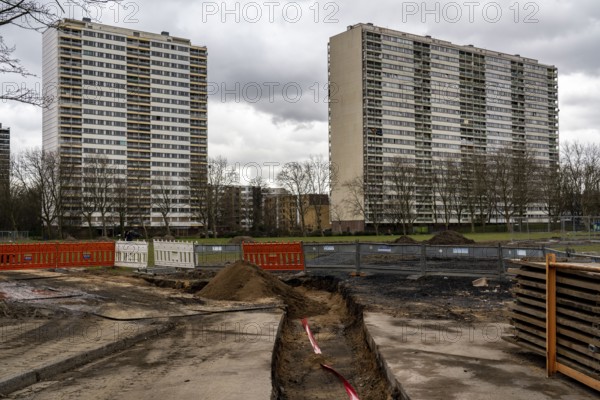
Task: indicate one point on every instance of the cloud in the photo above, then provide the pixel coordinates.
(279, 51)
(579, 104)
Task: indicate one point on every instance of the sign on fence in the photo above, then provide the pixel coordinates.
(131, 254)
(56, 255)
(275, 256)
(174, 254)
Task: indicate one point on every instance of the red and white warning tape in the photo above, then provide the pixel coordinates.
(313, 342)
(349, 389)
(347, 386)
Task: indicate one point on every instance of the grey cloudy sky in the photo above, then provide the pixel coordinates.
(267, 64)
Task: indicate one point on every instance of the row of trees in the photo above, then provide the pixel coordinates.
(211, 201)
(480, 188)
(45, 192)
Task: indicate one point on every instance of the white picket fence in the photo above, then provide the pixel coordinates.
(174, 254)
(131, 254)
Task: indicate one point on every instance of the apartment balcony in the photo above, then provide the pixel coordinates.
(139, 118)
(138, 99)
(67, 62)
(70, 72)
(137, 53)
(132, 43)
(138, 62)
(66, 43)
(138, 146)
(70, 112)
(71, 132)
(139, 139)
(138, 109)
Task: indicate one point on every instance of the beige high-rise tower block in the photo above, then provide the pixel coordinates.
(137, 99)
(403, 99)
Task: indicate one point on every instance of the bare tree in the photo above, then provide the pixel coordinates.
(580, 164)
(121, 200)
(456, 171)
(294, 177)
(197, 186)
(502, 184)
(402, 177)
(525, 186)
(20, 204)
(467, 187)
(320, 173)
(163, 199)
(365, 201)
(139, 205)
(207, 188)
(38, 171)
(444, 184)
(550, 189)
(512, 183)
(252, 205)
(32, 15)
(98, 177)
(88, 199)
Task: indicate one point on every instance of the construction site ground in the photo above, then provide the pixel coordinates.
(112, 333)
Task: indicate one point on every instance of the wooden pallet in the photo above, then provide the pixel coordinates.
(577, 315)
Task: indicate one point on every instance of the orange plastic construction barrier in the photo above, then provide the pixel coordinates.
(275, 256)
(56, 255)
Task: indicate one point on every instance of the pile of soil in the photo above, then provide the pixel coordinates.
(449, 237)
(240, 239)
(405, 240)
(243, 281)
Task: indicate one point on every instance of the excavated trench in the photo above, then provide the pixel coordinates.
(336, 320)
(340, 333)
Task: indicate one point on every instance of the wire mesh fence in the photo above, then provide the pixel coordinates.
(417, 258)
(13, 236)
(216, 255)
(384, 257)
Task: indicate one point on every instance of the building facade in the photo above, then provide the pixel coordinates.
(4, 156)
(138, 101)
(398, 96)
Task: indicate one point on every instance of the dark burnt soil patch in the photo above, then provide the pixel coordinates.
(190, 281)
(433, 297)
(449, 238)
(405, 240)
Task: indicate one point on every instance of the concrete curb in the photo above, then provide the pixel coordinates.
(391, 378)
(352, 303)
(25, 379)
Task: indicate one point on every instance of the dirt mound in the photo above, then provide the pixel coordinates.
(240, 239)
(449, 237)
(243, 281)
(405, 240)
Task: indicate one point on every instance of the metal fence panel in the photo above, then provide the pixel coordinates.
(513, 253)
(385, 257)
(13, 236)
(330, 256)
(217, 255)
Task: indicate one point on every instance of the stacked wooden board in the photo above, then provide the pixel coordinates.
(577, 314)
